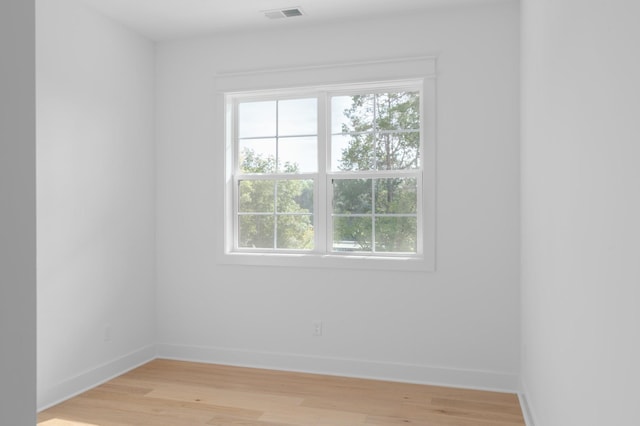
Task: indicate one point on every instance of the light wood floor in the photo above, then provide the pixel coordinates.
(173, 393)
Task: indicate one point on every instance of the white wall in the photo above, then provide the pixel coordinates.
(96, 198)
(581, 204)
(459, 325)
(17, 213)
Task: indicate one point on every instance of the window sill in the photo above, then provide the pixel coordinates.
(314, 260)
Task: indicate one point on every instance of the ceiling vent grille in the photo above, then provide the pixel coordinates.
(289, 12)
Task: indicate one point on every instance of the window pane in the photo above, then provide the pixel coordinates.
(298, 117)
(352, 234)
(352, 196)
(352, 152)
(257, 119)
(257, 155)
(340, 106)
(255, 231)
(295, 232)
(396, 234)
(339, 145)
(298, 155)
(398, 111)
(351, 113)
(396, 196)
(398, 151)
(256, 196)
(295, 196)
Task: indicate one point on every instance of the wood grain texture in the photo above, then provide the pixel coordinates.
(176, 393)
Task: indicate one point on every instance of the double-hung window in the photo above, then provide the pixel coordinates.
(329, 172)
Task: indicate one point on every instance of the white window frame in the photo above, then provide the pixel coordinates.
(325, 81)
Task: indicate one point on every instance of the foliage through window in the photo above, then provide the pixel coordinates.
(330, 172)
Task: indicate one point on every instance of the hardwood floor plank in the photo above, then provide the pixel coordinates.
(228, 398)
(312, 416)
(175, 393)
(236, 421)
(168, 407)
(459, 415)
(448, 403)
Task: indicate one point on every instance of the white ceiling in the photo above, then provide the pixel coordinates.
(171, 19)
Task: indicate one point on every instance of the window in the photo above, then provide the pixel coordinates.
(277, 164)
(375, 172)
(333, 174)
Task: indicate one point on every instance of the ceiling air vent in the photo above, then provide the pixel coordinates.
(289, 12)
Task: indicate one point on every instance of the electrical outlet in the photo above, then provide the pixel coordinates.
(317, 328)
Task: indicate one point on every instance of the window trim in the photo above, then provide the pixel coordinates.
(335, 78)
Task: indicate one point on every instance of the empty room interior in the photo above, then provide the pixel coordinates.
(354, 195)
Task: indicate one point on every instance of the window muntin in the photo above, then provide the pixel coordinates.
(298, 158)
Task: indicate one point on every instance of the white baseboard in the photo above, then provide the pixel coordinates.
(94, 377)
(398, 372)
(409, 373)
(527, 413)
